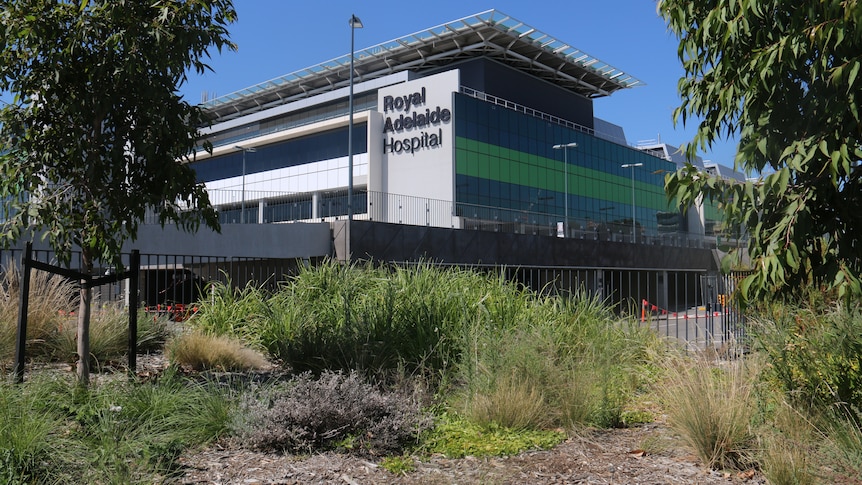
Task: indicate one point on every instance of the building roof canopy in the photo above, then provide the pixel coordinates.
(491, 34)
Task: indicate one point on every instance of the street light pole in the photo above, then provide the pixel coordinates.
(634, 226)
(355, 23)
(242, 206)
(565, 149)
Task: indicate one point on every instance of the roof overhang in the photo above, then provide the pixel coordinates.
(491, 34)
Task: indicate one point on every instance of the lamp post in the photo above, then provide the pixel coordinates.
(634, 226)
(242, 206)
(565, 149)
(355, 23)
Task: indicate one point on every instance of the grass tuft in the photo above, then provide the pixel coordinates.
(207, 352)
(712, 408)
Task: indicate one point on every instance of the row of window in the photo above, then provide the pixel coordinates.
(292, 120)
(298, 151)
(525, 200)
(328, 205)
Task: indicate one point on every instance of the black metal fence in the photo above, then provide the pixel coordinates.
(694, 307)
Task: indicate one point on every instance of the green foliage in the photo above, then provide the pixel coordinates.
(96, 132)
(229, 311)
(399, 465)
(362, 317)
(567, 362)
(525, 361)
(456, 437)
(815, 356)
(28, 439)
(784, 77)
(54, 431)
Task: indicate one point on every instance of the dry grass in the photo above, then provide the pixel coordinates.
(51, 298)
(205, 352)
(109, 336)
(514, 403)
(787, 454)
(711, 405)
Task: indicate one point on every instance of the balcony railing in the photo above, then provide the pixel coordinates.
(284, 207)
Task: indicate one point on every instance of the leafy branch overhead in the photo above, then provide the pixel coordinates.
(784, 77)
(96, 132)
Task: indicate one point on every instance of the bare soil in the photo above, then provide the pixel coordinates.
(649, 454)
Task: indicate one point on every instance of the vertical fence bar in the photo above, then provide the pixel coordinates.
(23, 308)
(134, 272)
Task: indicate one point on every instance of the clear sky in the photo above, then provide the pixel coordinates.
(277, 37)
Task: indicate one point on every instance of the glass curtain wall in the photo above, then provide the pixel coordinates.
(508, 170)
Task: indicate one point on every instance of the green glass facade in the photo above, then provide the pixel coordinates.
(505, 163)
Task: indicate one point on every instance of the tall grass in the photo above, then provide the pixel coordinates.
(227, 311)
(29, 440)
(363, 317)
(713, 409)
(788, 447)
(566, 359)
(563, 361)
(51, 297)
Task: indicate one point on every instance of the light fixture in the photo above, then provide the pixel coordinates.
(355, 23)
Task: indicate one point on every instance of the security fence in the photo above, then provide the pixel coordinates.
(693, 307)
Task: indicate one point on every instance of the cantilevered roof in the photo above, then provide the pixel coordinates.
(491, 34)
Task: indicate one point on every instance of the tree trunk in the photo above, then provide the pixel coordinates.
(85, 297)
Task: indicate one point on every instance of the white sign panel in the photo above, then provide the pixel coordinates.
(418, 136)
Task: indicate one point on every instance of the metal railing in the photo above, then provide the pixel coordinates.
(273, 207)
(692, 307)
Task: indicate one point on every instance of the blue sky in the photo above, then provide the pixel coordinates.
(277, 37)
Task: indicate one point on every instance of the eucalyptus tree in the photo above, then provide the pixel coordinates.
(96, 133)
(784, 77)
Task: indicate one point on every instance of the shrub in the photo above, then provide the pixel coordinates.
(814, 354)
(712, 408)
(207, 352)
(334, 411)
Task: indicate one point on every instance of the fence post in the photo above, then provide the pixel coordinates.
(134, 272)
(23, 304)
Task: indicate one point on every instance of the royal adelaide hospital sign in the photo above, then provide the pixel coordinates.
(412, 123)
